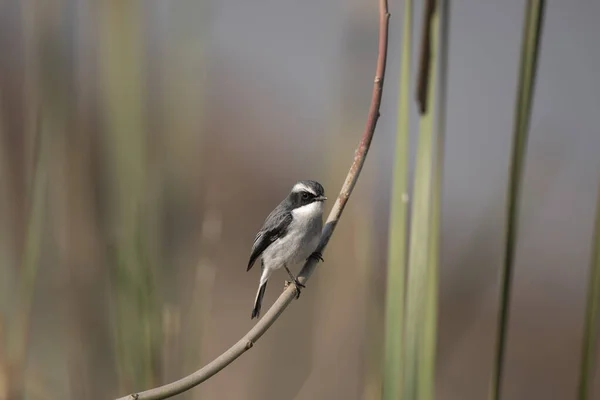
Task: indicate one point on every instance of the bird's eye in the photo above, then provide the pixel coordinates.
(305, 196)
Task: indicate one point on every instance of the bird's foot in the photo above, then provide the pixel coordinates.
(298, 285)
(316, 256)
(296, 282)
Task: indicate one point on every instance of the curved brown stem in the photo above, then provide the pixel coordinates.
(246, 343)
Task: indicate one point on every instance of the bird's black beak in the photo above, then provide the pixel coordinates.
(320, 198)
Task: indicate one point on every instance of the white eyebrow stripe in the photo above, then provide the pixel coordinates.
(299, 187)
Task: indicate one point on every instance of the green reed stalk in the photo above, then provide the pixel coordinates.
(440, 49)
(529, 55)
(416, 377)
(394, 318)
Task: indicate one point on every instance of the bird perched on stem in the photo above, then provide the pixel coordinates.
(289, 235)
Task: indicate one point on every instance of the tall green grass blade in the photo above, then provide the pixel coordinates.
(427, 335)
(416, 366)
(529, 55)
(590, 333)
(20, 323)
(440, 46)
(136, 313)
(394, 318)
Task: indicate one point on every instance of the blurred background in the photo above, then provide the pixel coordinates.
(142, 144)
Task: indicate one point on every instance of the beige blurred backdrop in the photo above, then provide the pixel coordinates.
(144, 142)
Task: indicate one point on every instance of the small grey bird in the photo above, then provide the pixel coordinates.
(289, 235)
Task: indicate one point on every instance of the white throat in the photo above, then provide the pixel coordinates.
(309, 211)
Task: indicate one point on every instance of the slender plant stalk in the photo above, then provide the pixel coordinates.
(588, 349)
(425, 56)
(418, 257)
(137, 328)
(529, 55)
(36, 181)
(21, 317)
(247, 342)
(394, 318)
(415, 363)
(439, 62)
(428, 297)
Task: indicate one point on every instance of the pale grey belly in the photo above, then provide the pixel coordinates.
(295, 247)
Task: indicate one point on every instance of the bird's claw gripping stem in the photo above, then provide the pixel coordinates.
(316, 256)
(295, 281)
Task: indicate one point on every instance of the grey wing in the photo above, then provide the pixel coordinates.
(275, 226)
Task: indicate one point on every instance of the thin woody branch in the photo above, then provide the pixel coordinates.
(246, 343)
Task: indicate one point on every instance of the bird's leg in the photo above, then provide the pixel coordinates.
(295, 280)
(316, 256)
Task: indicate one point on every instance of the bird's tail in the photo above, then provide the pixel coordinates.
(258, 300)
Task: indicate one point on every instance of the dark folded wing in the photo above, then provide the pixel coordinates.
(275, 227)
